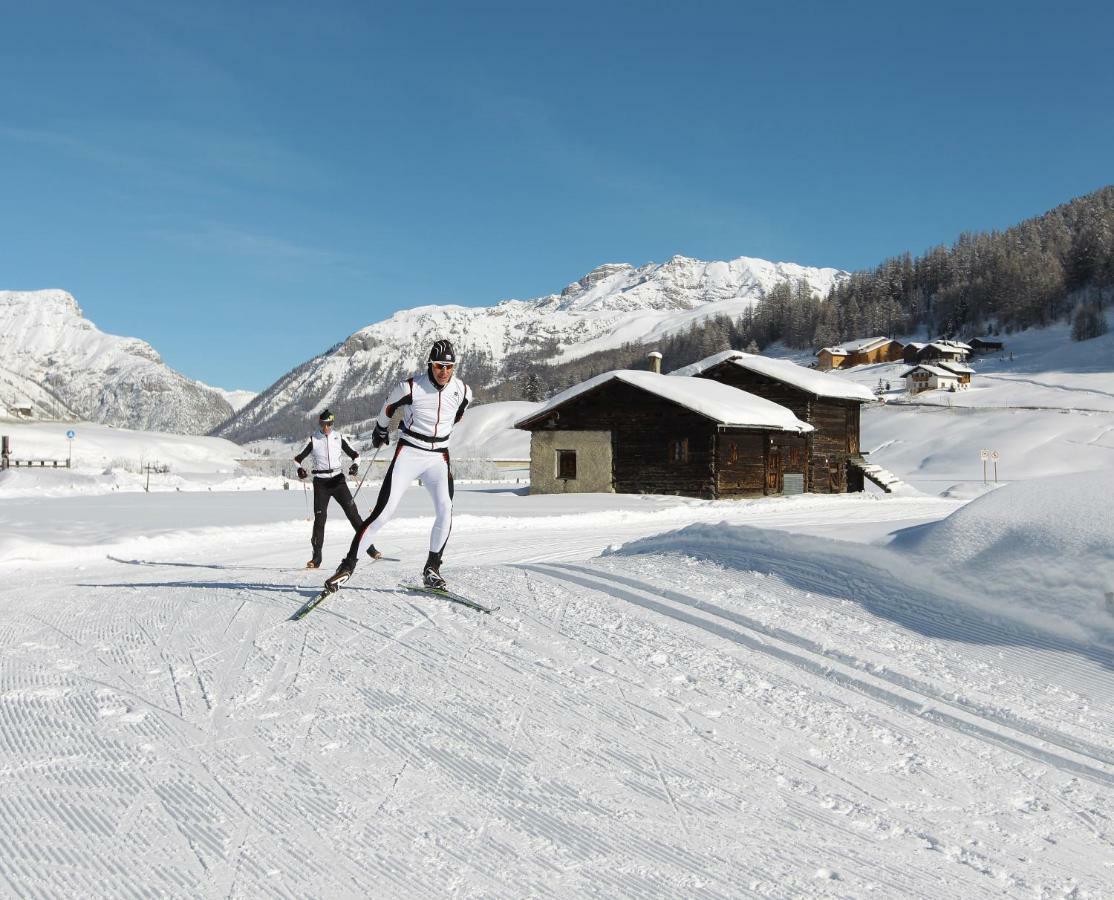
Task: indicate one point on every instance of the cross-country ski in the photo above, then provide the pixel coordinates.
(451, 596)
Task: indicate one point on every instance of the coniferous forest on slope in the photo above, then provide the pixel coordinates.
(1046, 268)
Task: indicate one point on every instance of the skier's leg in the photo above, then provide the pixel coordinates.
(320, 514)
(404, 468)
(438, 479)
(343, 495)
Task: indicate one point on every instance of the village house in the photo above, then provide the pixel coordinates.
(985, 345)
(926, 377)
(635, 432)
(962, 372)
(858, 353)
(935, 351)
(832, 461)
(18, 411)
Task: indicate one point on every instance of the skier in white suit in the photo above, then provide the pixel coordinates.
(432, 402)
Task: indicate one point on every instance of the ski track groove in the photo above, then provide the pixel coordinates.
(614, 863)
(1085, 749)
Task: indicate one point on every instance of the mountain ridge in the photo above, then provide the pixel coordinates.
(68, 367)
(613, 304)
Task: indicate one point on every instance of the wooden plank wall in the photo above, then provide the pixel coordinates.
(836, 422)
(642, 428)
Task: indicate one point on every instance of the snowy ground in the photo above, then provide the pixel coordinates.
(816, 696)
(708, 710)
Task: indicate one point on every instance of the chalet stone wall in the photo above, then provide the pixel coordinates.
(593, 462)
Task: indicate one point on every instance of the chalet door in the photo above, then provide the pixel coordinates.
(836, 476)
(773, 470)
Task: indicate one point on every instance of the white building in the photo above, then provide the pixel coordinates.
(931, 378)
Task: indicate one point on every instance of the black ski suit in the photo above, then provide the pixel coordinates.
(329, 482)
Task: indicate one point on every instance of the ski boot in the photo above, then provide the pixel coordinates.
(341, 575)
(313, 564)
(373, 553)
(431, 574)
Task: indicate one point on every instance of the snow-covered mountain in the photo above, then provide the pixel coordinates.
(611, 305)
(56, 361)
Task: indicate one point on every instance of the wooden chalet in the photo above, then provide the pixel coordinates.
(832, 462)
(985, 345)
(962, 372)
(935, 351)
(633, 432)
(859, 353)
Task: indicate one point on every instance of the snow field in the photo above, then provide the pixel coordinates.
(766, 714)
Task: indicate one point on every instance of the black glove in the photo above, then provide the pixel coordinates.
(302, 473)
(354, 470)
(379, 437)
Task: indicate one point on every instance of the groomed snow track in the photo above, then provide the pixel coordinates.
(633, 726)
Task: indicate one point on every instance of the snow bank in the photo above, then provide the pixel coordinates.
(1038, 553)
(1046, 544)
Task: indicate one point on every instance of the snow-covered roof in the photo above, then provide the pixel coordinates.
(819, 383)
(719, 402)
(951, 346)
(932, 370)
(846, 348)
(955, 367)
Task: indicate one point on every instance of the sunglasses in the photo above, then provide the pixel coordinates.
(445, 367)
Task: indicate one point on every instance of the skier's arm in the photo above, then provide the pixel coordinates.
(344, 446)
(463, 404)
(304, 453)
(399, 395)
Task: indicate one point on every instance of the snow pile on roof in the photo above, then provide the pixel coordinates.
(724, 404)
(951, 346)
(938, 371)
(815, 382)
(1046, 544)
(849, 347)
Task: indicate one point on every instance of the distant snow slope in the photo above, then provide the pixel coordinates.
(237, 399)
(105, 458)
(54, 359)
(1038, 368)
(607, 307)
(487, 431)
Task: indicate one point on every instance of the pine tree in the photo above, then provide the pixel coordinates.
(1088, 322)
(532, 388)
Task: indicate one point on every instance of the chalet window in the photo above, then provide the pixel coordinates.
(679, 451)
(566, 465)
(733, 454)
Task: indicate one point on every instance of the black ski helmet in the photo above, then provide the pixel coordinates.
(442, 351)
(326, 417)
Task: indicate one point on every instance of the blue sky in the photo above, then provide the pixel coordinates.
(245, 184)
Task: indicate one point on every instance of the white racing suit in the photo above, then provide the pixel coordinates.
(429, 414)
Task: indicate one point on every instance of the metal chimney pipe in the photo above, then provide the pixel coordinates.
(655, 361)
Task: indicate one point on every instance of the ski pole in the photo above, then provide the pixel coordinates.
(305, 494)
(370, 466)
